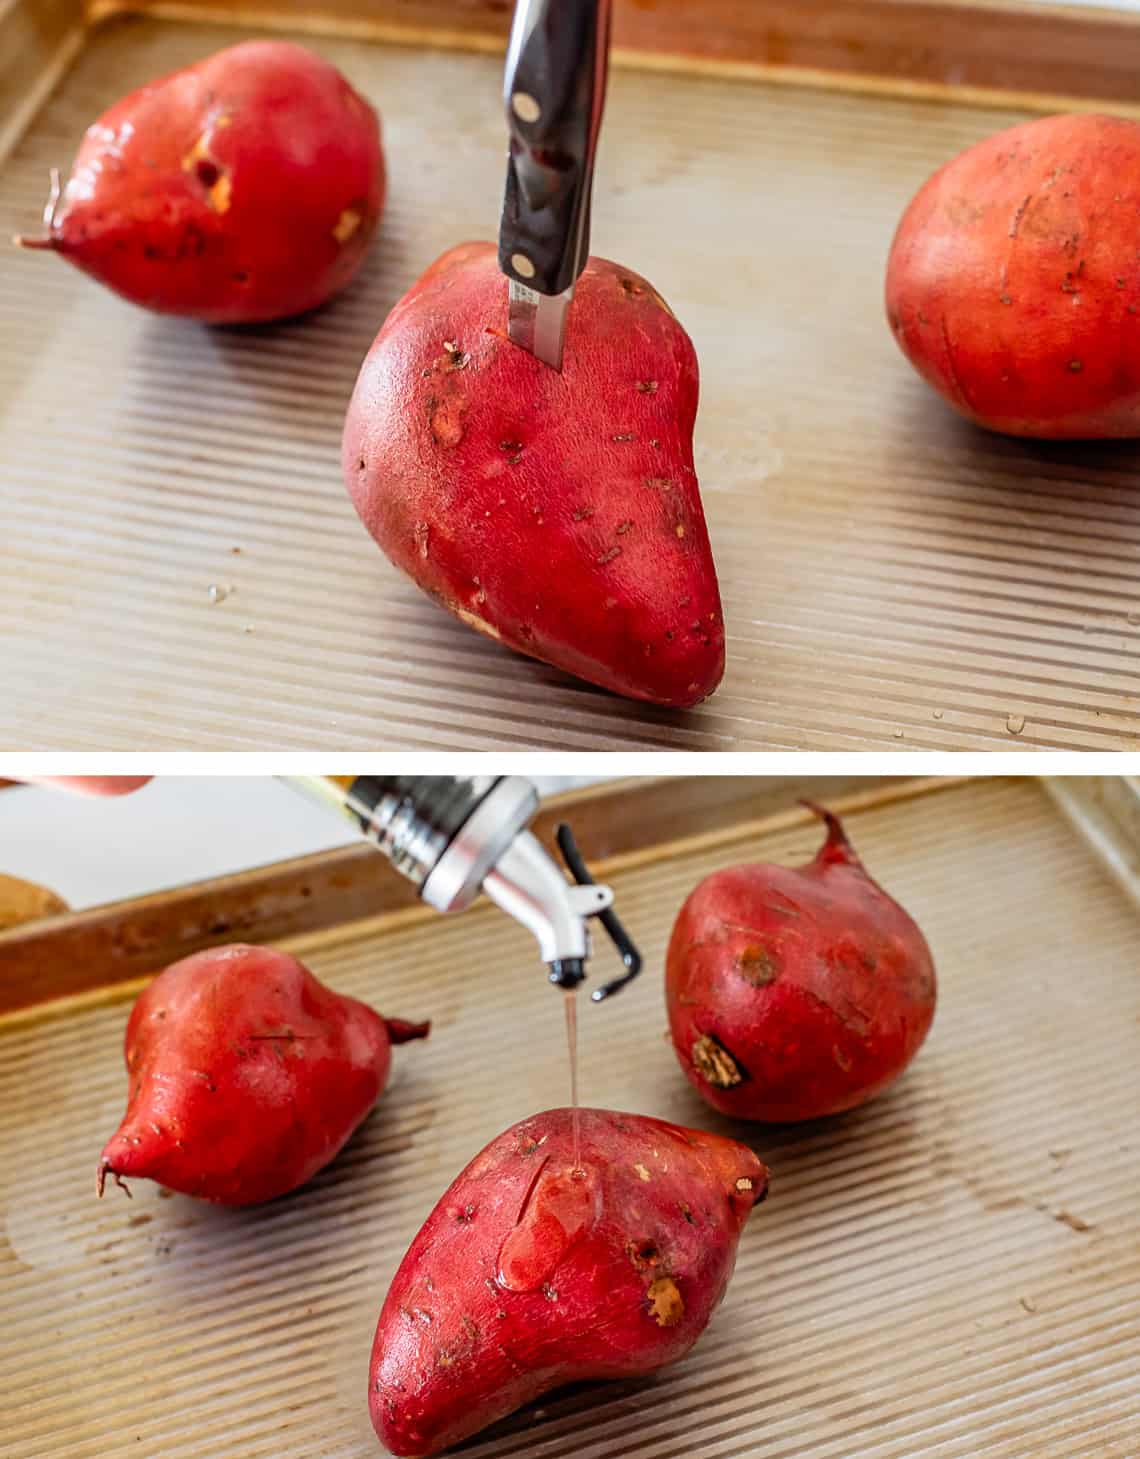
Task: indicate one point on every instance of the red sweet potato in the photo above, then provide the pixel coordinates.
(529, 1275)
(243, 188)
(558, 513)
(1012, 284)
(247, 1075)
(796, 993)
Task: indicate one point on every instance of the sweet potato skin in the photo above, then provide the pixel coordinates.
(241, 189)
(796, 993)
(247, 1076)
(1011, 284)
(559, 513)
(622, 1269)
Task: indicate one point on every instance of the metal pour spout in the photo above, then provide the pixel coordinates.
(454, 836)
(530, 887)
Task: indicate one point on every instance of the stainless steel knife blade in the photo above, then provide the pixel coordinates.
(537, 322)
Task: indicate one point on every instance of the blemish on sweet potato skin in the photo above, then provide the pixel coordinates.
(714, 1063)
(347, 224)
(759, 964)
(644, 1254)
(445, 416)
(665, 1302)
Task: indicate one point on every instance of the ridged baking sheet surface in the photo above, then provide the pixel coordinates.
(891, 577)
(951, 1273)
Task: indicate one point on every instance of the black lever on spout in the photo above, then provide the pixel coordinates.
(627, 951)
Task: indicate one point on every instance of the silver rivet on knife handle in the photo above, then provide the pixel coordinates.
(537, 322)
(525, 107)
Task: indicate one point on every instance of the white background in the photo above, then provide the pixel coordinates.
(177, 829)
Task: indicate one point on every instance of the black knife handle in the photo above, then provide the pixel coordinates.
(554, 90)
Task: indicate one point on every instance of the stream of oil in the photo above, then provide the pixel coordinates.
(571, 997)
(559, 1205)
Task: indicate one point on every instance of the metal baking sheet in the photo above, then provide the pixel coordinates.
(891, 577)
(951, 1273)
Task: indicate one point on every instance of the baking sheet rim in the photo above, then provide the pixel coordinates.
(848, 804)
